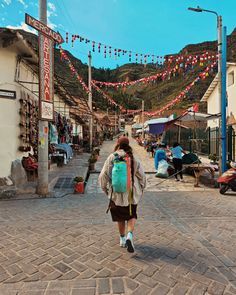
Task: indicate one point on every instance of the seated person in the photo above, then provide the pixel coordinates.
(160, 154)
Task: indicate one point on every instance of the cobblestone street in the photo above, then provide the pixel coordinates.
(184, 239)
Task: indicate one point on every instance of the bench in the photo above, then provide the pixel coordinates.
(198, 169)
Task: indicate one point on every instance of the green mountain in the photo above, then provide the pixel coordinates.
(155, 94)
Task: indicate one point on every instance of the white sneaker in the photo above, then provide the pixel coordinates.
(130, 243)
(123, 242)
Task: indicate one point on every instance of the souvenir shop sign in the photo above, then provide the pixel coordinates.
(46, 75)
(47, 38)
(7, 94)
(44, 29)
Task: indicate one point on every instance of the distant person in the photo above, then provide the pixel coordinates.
(160, 154)
(177, 153)
(127, 134)
(153, 148)
(123, 180)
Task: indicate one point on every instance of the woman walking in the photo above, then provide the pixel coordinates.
(123, 205)
(177, 152)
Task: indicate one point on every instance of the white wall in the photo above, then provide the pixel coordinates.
(61, 107)
(8, 112)
(213, 103)
(213, 107)
(231, 92)
(9, 109)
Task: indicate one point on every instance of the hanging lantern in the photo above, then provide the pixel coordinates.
(93, 46)
(99, 47)
(109, 51)
(105, 51)
(67, 37)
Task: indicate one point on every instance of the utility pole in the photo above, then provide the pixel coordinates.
(115, 124)
(143, 118)
(42, 188)
(219, 32)
(90, 101)
(223, 102)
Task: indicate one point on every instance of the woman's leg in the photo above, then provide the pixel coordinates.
(129, 240)
(176, 168)
(121, 227)
(180, 168)
(131, 224)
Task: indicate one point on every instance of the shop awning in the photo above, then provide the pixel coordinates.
(195, 116)
(137, 126)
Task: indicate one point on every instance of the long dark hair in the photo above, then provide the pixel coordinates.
(128, 149)
(175, 144)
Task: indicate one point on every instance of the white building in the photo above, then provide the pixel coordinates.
(19, 87)
(211, 97)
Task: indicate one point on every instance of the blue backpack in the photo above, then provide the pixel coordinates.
(119, 174)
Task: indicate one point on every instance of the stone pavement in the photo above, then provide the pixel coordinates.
(184, 241)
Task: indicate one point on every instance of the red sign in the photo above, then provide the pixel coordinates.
(46, 77)
(46, 66)
(44, 29)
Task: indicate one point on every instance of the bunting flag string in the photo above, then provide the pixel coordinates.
(176, 100)
(183, 93)
(184, 67)
(110, 51)
(65, 57)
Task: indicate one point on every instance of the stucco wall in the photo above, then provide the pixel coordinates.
(231, 91)
(213, 107)
(8, 113)
(213, 104)
(9, 108)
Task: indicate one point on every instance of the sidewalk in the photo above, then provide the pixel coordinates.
(60, 180)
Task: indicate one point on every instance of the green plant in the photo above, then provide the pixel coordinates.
(78, 179)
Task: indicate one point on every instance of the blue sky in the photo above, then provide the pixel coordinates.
(155, 26)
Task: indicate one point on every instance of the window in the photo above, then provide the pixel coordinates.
(231, 78)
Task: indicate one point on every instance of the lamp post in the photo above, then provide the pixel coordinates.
(221, 87)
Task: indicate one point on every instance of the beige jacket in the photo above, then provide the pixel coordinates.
(121, 199)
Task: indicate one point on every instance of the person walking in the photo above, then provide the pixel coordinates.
(177, 153)
(160, 154)
(123, 205)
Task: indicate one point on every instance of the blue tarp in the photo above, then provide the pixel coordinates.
(157, 128)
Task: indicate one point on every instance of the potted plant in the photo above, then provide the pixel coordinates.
(92, 160)
(79, 184)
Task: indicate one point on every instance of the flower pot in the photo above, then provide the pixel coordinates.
(79, 187)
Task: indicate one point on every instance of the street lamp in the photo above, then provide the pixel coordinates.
(222, 98)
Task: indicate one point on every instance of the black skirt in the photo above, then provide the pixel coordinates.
(120, 213)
